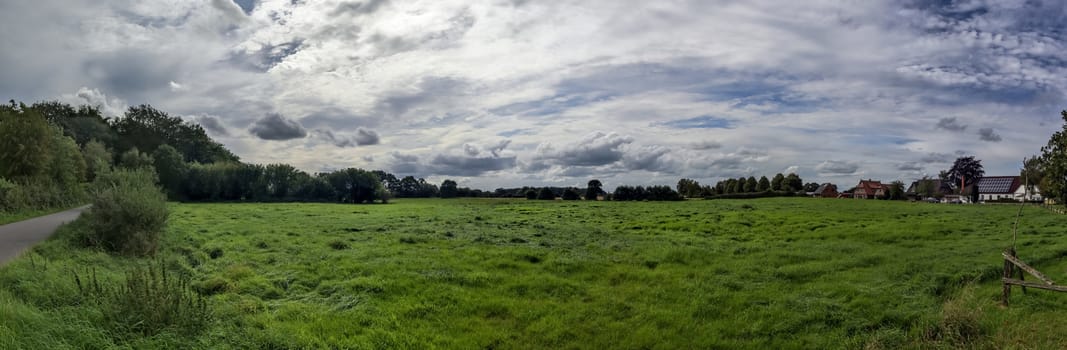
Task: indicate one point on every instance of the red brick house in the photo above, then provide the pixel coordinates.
(826, 190)
(870, 189)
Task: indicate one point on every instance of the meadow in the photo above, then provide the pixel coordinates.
(510, 274)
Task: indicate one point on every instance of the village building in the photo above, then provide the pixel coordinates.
(826, 190)
(870, 189)
(993, 188)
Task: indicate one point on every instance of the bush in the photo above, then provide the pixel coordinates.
(571, 195)
(128, 212)
(148, 302)
(531, 194)
(546, 194)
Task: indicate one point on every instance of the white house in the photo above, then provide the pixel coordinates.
(991, 188)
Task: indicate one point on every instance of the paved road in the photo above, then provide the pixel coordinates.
(17, 237)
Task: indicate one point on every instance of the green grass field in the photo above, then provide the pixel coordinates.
(507, 274)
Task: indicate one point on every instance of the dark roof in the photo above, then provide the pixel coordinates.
(998, 184)
(823, 187)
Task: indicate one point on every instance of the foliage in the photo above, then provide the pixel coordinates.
(1032, 174)
(147, 128)
(640, 193)
(896, 190)
(356, 186)
(83, 124)
(128, 213)
(25, 144)
(689, 188)
(148, 301)
(593, 190)
(97, 159)
(793, 183)
(170, 168)
(449, 189)
(776, 182)
(751, 184)
(135, 159)
(546, 194)
(571, 194)
(965, 169)
(1054, 163)
(763, 185)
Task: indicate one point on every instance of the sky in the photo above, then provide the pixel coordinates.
(506, 93)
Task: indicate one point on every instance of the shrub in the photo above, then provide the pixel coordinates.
(148, 302)
(128, 212)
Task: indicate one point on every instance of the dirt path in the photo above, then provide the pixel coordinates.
(19, 236)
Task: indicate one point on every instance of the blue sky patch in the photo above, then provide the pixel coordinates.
(701, 122)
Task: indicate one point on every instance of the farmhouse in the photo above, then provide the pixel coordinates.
(826, 190)
(991, 188)
(869, 189)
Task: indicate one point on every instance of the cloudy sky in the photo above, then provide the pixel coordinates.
(516, 92)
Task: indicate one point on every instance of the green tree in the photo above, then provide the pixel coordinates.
(792, 183)
(751, 184)
(531, 194)
(570, 194)
(546, 194)
(896, 190)
(1054, 161)
(25, 144)
(97, 159)
(776, 182)
(171, 169)
(135, 159)
(593, 190)
(449, 189)
(763, 185)
(1032, 174)
(146, 128)
(67, 167)
(966, 171)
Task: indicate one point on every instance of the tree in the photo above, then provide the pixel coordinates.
(763, 185)
(146, 128)
(356, 186)
(25, 143)
(97, 159)
(134, 159)
(280, 180)
(751, 184)
(1054, 161)
(170, 168)
(531, 194)
(1032, 174)
(593, 190)
(546, 194)
(689, 188)
(965, 170)
(570, 195)
(776, 182)
(792, 183)
(811, 187)
(896, 190)
(449, 189)
(926, 187)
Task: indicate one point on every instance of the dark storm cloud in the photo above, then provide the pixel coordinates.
(648, 158)
(275, 127)
(988, 135)
(951, 124)
(213, 125)
(833, 167)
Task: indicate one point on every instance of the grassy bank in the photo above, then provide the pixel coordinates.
(767, 273)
